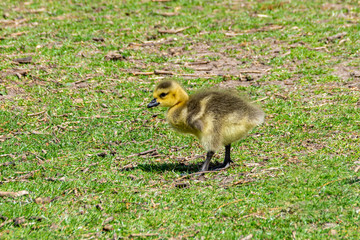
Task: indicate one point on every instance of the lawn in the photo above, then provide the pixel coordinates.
(81, 156)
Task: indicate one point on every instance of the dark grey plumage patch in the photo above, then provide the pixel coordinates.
(220, 103)
(164, 84)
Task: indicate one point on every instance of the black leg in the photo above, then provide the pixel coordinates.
(205, 165)
(227, 159)
(227, 154)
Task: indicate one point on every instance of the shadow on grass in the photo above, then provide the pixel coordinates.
(166, 167)
(173, 167)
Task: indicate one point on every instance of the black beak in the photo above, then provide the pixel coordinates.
(153, 103)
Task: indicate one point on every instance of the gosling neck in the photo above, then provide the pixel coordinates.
(182, 96)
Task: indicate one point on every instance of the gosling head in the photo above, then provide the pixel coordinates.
(168, 94)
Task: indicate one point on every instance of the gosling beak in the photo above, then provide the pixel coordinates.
(153, 103)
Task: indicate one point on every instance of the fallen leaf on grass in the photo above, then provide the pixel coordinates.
(355, 74)
(19, 220)
(248, 237)
(109, 219)
(108, 228)
(54, 226)
(13, 194)
(167, 14)
(52, 179)
(43, 200)
(336, 36)
(329, 225)
(102, 154)
(13, 22)
(128, 167)
(98, 206)
(98, 39)
(114, 56)
(132, 177)
(6, 222)
(36, 218)
(103, 180)
(182, 185)
(23, 60)
(13, 35)
(3, 138)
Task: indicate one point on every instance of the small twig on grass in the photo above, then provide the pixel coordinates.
(144, 153)
(256, 214)
(143, 234)
(173, 31)
(251, 71)
(203, 69)
(162, 72)
(337, 180)
(98, 116)
(197, 63)
(239, 200)
(156, 72)
(13, 194)
(143, 73)
(28, 175)
(239, 182)
(152, 43)
(336, 36)
(8, 155)
(261, 99)
(36, 114)
(14, 180)
(7, 163)
(6, 222)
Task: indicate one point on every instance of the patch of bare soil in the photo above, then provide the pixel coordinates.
(15, 71)
(202, 60)
(12, 92)
(349, 74)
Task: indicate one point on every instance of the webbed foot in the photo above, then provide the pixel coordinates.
(222, 166)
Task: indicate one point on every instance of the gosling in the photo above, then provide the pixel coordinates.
(216, 117)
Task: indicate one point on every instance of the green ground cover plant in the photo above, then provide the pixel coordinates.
(81, 156)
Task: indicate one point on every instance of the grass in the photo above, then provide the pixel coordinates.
(72, 127)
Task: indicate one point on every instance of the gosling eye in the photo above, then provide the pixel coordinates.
(163, 95)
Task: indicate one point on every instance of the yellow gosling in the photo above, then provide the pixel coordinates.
(216, 117)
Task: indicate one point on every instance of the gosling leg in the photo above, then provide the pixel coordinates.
(205, 165)
(227, 159)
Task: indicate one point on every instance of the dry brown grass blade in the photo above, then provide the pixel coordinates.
(143, 235)
(337, 180)
(226, 204)
(14, 194)
(172, 31)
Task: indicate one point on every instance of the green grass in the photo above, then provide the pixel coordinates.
(72, 127)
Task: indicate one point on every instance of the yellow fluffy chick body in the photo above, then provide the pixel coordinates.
(216, 117)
